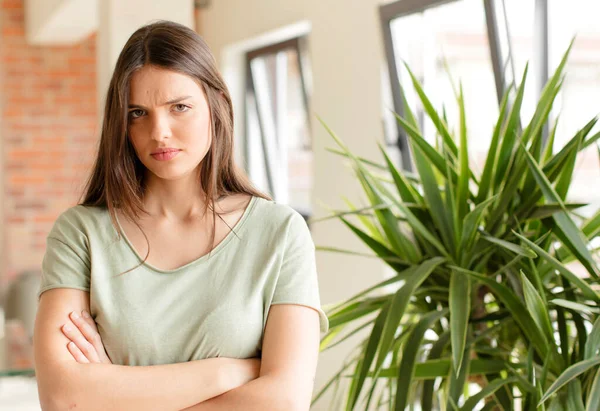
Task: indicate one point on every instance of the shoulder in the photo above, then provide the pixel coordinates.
(79, 220)
(277, 213)
(280, 219)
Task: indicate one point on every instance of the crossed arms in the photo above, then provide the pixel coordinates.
(81, 376)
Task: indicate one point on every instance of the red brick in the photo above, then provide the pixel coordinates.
(52, 141)
(82, 60)
(48, 122)
(12, 4)
(86, 88)
(16, 167)
(54, 193)
(50, 218)
(14, 17)
(30, 205)
(25, 154)
(46, 167)
(17, 180)
(15, 220)
(50, 85)
(13, 112)
(13, 32)
(69, 100)
(14, 140)
(25, 100)
(15, 192)
(39, 245)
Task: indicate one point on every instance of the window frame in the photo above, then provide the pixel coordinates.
(388, 13)
(299, 45)
(400, 8)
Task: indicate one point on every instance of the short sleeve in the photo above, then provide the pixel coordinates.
(297, 282)
(66, 262)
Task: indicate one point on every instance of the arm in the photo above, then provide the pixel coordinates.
(289, 362)
(63, 383)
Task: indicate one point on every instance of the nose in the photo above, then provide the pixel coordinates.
(159, 127)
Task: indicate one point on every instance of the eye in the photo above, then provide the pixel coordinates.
(181, 108)
(136, 113)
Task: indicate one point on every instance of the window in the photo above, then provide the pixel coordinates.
(579, 99)
(278, 139)
(440, 41)
(486, 44)
(539, 32)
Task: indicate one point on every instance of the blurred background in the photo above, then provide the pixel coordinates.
(285, 63)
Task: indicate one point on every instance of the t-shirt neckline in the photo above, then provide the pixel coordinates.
(232, 233)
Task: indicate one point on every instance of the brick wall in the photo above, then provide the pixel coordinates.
(48, 127)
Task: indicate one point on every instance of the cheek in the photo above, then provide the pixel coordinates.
(136, 140)
(140, 142)
(196, 132)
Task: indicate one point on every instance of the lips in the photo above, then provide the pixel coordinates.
(165, 154)
(164, 150)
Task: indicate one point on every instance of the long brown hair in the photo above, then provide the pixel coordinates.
(117, 179)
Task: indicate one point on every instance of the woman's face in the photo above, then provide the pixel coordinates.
(168, 122)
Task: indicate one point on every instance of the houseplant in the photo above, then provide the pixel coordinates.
(486, 311)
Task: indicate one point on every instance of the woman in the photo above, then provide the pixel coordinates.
(173, 262)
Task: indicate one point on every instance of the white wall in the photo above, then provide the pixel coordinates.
(59, 22)
(118, 20)
(346, 56)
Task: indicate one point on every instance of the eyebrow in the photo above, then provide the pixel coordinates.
(173, 101)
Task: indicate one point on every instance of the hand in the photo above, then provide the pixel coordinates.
(86, 345)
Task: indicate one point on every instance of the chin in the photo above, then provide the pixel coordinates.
(170, 173)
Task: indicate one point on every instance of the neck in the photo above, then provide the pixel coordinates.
(179, 199)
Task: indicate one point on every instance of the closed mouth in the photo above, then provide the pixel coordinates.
(166, 150)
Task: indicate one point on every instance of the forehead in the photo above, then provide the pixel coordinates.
(152, 84)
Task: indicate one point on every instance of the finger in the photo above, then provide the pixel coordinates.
(76, 353)
(73, 334)
(88, 319)
(90, 333)
(88, 328)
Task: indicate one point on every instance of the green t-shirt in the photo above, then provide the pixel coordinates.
(215, 306)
